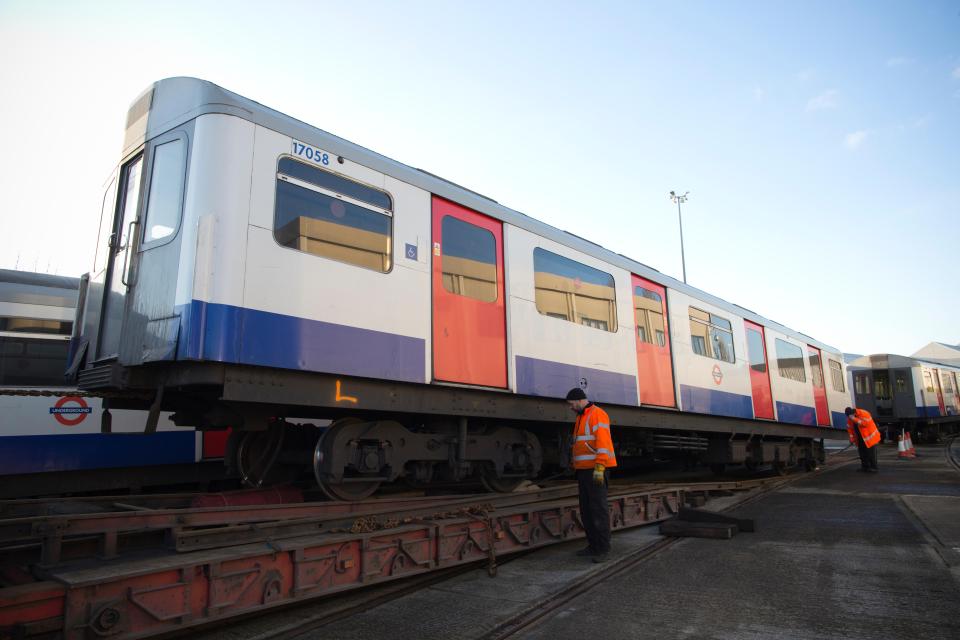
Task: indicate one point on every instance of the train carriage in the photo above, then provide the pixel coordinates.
(905, 393)
(49, 433)
(252, 267)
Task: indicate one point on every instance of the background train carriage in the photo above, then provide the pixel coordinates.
(908, 393)
(55, 440)
(251, 266)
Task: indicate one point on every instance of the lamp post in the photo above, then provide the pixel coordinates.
(680, 199)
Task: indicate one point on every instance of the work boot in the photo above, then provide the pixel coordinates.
(600, 558)
(585, 552)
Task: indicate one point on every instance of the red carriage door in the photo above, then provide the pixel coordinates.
(956, 392)
(654, 368)
(819, 390)
(936, 384)
(759, 371)
(469, 320)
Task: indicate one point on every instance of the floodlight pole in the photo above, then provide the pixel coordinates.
(679, 199)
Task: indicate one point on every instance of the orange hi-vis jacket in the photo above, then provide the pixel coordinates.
(592, 443)
(861, 419)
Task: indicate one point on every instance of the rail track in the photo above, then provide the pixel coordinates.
(951, 450)
(317, 617)
(142, 566)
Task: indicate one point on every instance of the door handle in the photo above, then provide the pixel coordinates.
(129, 249)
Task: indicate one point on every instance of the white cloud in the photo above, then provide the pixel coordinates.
(956, 73)
(852, 141)
(759, 93)
(826, 100)
(806, 75)
(898, 61)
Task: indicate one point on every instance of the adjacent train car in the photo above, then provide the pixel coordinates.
(907, 393)
(252, 267)
(54, 440)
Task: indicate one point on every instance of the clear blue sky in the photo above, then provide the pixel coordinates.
(820, 141)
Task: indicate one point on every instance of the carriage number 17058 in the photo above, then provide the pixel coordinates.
(306, 151)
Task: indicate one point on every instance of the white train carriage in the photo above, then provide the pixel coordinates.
(556, 291)
(908, 393)
(59, 434)
(256, 267)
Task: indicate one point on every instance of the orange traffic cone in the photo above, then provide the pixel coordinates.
(902, 448)
(910, 450)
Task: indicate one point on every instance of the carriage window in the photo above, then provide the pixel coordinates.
(711, 336)
(27, 362)
(901, 382)
(881, 385)
(947, 385)
(928, 382)
(836, 375)
(469, 261)
(758, 357)
(35, 325)
(815, 370)
(106, 220)
(648, 310)
(166, 185)
(573, 291)
(861, 384)
(790, 361)
(330, 216)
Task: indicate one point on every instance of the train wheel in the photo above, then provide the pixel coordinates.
(780, 468)
(349, 491)
(257, 454)
(491, 482)
(718, 468)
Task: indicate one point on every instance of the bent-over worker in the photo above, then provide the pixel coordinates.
(864, 433)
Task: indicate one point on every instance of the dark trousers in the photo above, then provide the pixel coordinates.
(594, 512)
(868, 455)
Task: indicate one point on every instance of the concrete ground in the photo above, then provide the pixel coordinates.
(837, 554)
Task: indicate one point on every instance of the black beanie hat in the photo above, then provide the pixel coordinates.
(849, 411)
(576, 394)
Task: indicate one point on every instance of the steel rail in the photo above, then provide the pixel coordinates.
(529, 618)
(948, 450)
(129, 598)
(50, 539)
(145, 597)
(315, 620)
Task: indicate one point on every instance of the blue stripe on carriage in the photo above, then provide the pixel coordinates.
(224, 333)
(74, 451)
(796, 413)
(554, 379)
(839, 419)
(928, 412)
(715, 402)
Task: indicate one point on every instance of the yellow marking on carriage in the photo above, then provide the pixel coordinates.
(343, 398)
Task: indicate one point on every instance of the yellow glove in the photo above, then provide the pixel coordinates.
(598, 470)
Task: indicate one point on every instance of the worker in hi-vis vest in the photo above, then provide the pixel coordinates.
(592, 456)
(864, 433)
